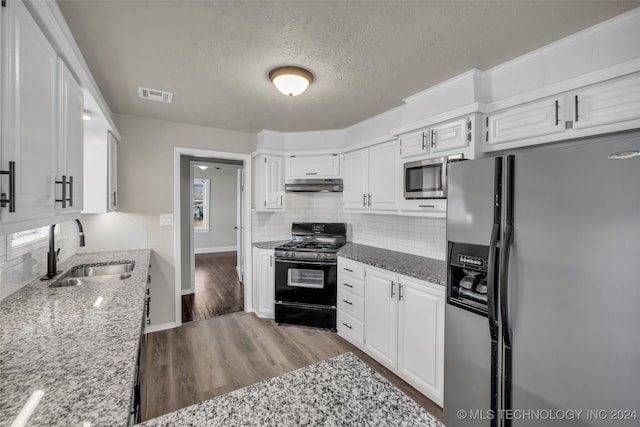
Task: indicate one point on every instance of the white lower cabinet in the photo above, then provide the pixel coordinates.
(421, 337)
(397, 320)
(381, 316)
(264, 282)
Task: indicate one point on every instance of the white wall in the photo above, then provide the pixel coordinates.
(415, 235)
(145, 188)
(222, 210)
(17, 272)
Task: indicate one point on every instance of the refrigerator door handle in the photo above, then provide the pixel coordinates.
(505, 251)
(491, 282)
(504, 293)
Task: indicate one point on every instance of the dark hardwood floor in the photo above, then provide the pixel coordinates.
(201, 360)
(217, 289)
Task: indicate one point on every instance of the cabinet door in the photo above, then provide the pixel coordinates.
(29, 117)
(414, 144)
(611, 102)
(112, 168)
(275, 182)
(383, 173)
(381, 317)
(316, 166)
(421, 337)
(355, 178)
(70, 151)
(530, 120)
(266, 283)
(451, 135)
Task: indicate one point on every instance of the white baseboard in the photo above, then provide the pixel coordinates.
(215, 250)
(187, 291)
(156, 328)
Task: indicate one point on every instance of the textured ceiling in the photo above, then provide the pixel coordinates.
(365, 56)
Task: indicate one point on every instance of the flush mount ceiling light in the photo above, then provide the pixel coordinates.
(203, 167)
(291, 80)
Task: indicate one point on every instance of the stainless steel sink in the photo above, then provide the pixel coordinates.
(101, 269)
(74, 281)
(95, 273)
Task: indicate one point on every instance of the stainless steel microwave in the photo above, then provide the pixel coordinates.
(427, 179)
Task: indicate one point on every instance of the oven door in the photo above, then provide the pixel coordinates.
(306, 282)
(425, 179)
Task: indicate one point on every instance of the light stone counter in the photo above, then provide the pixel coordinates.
(83, 357)
(418, 267)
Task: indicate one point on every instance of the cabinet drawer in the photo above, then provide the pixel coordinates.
(350, 328)
(349, 284)
(352, 268)
(351, 304)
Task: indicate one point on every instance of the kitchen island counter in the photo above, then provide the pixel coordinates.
(77, 344)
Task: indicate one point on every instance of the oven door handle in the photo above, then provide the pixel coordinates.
(286, 261)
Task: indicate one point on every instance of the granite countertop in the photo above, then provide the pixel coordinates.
(83, 357)
(341, 391)
(418, 267)
(270, 245)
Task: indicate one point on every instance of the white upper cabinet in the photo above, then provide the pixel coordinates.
(69, 181)
(370, 176)
(415, 143)
(452, 135)
(383, 166)
(112, 172)
(534, 119)
(313, 166)
(269, 183)
(355, 180)
(29, 130)
(611, 102)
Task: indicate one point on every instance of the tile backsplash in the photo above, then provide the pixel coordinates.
(415, 235)
(17, 272)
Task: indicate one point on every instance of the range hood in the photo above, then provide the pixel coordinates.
(314, 185)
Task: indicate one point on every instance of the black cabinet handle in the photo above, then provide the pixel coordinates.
(348, 269)
(575, 104)
(70, 191)
(557, 115)
(12, 188)
(64, 191)
(348, 285)
(347, 302)
(347, 325)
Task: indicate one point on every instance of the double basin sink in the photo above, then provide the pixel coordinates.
(95, 273)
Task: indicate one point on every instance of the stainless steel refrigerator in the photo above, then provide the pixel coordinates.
(542, 321)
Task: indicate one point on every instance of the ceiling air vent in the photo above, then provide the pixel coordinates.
(155, 95)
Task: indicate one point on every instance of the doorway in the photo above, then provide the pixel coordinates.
(211, 234)
(216, 285)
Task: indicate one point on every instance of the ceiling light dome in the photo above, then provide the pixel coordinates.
(291, 80)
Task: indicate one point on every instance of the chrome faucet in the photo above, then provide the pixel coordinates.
(52, 255)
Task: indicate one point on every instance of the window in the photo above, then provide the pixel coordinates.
(201, 205)
(26, 241)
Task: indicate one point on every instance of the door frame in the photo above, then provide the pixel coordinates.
(246, 159)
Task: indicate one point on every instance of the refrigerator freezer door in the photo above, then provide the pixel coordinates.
(574, 291)
(469, 201)
(467, 369)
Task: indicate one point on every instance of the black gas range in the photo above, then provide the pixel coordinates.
(306, 274)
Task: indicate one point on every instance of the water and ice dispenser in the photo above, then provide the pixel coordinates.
(467, 277)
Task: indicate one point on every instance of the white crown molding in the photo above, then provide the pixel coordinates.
(594, 77)
(475, 107)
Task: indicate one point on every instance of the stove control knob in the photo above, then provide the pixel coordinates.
(293, 254)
